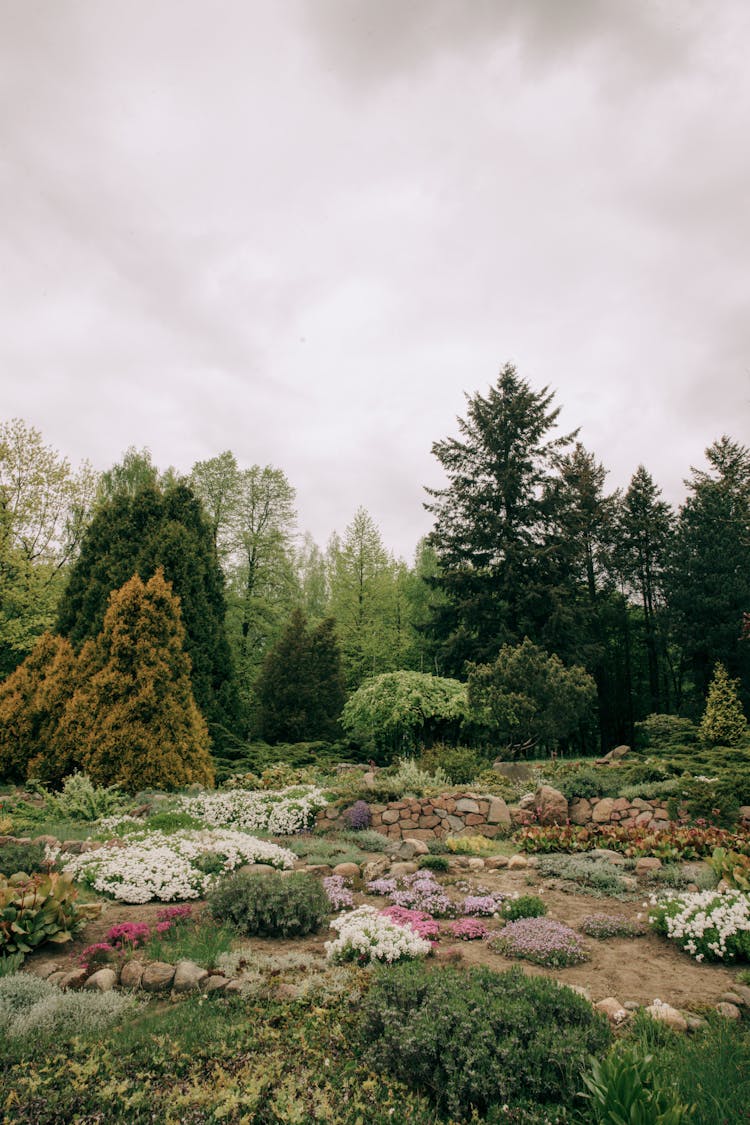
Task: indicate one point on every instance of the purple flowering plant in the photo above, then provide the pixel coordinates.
(339, 895)
(422, 923)
(358, 816)
(541, 940)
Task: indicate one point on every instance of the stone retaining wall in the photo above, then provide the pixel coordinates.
(637, 812)
(430, 818)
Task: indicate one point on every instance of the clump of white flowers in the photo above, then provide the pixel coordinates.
(170, 868)
(367, 935)
(706, 924)
(280, 812)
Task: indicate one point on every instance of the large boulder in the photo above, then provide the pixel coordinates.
(551, 805)
(188, 976)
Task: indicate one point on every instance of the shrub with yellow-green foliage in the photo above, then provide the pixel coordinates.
(32, 702)
(723, 722)
(133, 717)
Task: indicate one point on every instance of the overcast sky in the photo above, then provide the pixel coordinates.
(302, 229)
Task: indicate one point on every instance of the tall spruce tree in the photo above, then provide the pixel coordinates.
(644, 529)
(137, 534)
(708, 577)
(490, 521)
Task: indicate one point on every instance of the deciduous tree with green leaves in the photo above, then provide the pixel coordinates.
(44, 509)
(398, 712)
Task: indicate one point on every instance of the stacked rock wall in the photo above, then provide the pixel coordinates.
(637, 812)
(430, 818)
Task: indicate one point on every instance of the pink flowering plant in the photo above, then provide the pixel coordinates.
(541, 940)
(469, 929)
(423, 924)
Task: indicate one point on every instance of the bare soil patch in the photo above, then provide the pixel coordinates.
(638, 969)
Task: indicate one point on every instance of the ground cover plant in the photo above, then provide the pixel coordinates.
(541, 940)
(597, 876)
(601, 925)
(367, 934)
(170, 868)
(38, 909)
(705, 924)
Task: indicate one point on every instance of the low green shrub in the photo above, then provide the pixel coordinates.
(598, 876)
(715, 800)
(588, 781)
(270, 905)
(474, 1040)
(525, 906)
(407, 779)
(366, 839)
(200, 940)
(437, 847)
(15, 858)
(460, 763)
(434, 862)
(664, 732)
(494, 784)
(172, 820)
(80, 799)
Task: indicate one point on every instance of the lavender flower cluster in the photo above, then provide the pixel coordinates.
(339, 895)
(419, 891)
(486, 904)
(611, 925)
(469, 929)
(541, 940)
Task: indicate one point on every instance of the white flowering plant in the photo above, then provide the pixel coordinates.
(367, 935)
(280, 812)
(171, 868)
(709, 925)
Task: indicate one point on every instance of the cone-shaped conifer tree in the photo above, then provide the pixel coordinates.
(32, 701)
(723, 722)
(134, 718)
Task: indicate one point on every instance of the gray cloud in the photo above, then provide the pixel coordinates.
(302, 231)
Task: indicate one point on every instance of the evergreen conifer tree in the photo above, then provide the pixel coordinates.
(32, 702)
(136, 534)
(133, 719)
(723, 722)
(300, 686)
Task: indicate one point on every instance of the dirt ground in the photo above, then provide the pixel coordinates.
(638, 969)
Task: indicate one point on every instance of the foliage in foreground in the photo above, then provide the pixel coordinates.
(473, 1039)
(668, 843)
(621, 1088)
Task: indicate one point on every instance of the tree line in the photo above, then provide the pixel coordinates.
(527, 544)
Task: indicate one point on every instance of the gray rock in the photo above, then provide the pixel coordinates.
(516, 771)
(606, 853)
(728, 1011)
(467, 805)
(493, 862)
(157, 976)
(216, 983)
(347, 870)
(403, 869)
(406, 850)
(131, 974)
(46, 971)
(517, 863)
(256, 868)
(420, 847)
(56, 978)
(188, 976)
(103, 980)
(646, 864)
(375, 869)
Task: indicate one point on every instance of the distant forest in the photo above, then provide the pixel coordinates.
(526, 543)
